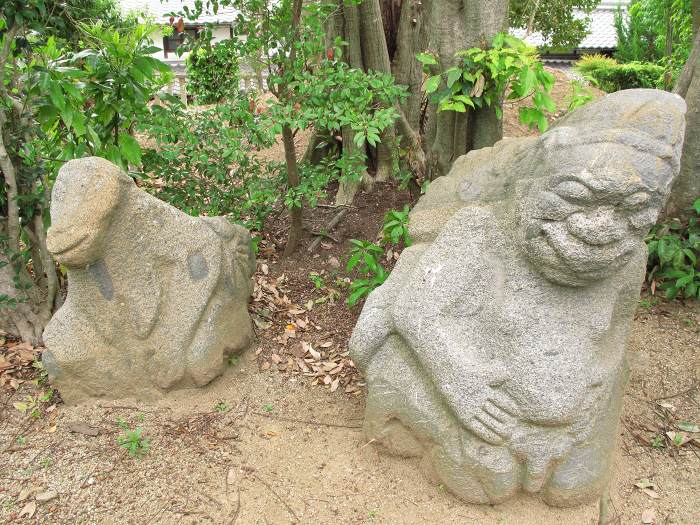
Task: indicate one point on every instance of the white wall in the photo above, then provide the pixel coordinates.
(218, 33)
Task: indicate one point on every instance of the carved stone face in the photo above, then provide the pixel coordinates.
(83, 203)
(578, 226)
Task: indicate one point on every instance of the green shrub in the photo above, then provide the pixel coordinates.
(674, 250)
(623, 76)
(590, 63)
(212, 73)
(364, 258)
(204, 163)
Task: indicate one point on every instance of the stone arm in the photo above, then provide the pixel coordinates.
(376, 322)
(189, 278)
(448, 317)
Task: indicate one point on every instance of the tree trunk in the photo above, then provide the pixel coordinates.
(390, 44)
(295, 212)
(375, 56)
(454, 26)
(347, 24)
(27, 316)
(687, 186)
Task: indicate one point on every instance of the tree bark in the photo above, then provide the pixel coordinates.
(455, 25)
(686, 189)
(375, 57)
(295, 212)
(348, 25)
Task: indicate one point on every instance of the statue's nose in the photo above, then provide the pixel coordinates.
(597, 227)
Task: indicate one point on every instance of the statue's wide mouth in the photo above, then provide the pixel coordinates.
(52, 243)
(581, 256)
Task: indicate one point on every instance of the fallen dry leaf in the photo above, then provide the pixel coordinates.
(79, 427)
(28, 510)
(43, 497)
(678, 438)
(648, 516)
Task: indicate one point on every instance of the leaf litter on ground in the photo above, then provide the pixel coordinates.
(301, 348)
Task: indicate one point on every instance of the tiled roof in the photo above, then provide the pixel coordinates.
(158, 9)
(601, 34)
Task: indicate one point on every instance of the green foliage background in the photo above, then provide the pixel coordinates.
(212, 72)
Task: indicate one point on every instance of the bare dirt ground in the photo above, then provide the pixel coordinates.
(278, 439)
(279, 450)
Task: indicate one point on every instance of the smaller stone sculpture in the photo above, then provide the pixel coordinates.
(156, 298)
(495, 351)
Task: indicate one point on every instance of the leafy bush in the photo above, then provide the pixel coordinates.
(674, 251)
(395, 227)
(642, 31)
(364, 257)
(482, 77)
(212, 72)
(624, 76)
(203, 162)
(589, 63)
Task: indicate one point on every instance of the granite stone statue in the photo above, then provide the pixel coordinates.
(495, 351)
(156, 298)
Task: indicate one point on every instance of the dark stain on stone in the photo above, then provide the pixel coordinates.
(104, 281)
(228, 284)
(197, 266)
(50, 364)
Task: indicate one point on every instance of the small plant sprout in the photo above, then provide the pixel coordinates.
(233, 360)
(43, 375)
(317, 280)
(21, 441)
(395, 228)
(221, 406)
(134, 442)
(372, 514)
(140, 416)
(31, 406)
(364, 258)
(657, 442)
(267, 407)
(45, 463)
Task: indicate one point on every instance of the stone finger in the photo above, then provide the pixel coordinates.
(504, 401)
(477, 428)
(498, 413)
(492, 424)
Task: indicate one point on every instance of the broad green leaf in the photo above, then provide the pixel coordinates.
(452, 75)
(432, 83)
(426, 59)
(130, 149)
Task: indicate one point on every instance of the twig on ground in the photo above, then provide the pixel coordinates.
(17, 434)
(279, 498)
(333, 222)
(150, 520)
(326, 235)
(336, 206)
(230, 480)
(306, 421)
(694, 386)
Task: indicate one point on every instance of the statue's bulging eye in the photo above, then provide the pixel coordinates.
(572, 190)
(550, 206)
(636, 199)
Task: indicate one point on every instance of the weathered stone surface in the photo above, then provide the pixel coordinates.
(496, 349)
(156, 298)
